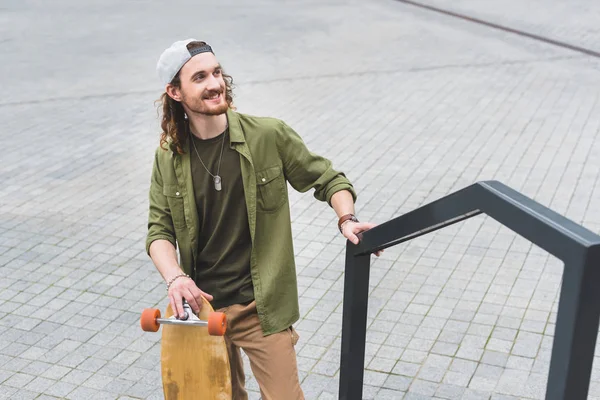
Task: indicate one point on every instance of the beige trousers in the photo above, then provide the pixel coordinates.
(272, 358)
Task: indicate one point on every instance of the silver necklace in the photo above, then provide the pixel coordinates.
(217, 177)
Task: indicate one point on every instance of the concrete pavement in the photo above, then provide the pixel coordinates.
(412, 105)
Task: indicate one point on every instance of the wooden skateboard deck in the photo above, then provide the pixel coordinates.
(194, 363)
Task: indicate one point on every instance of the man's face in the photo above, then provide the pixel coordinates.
(202, 85)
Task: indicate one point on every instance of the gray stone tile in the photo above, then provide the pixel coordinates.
(406, 368)
(418, 344)
(499, 345)
(14, 350)
(413, 356)
(118, 386)
(39, 385)
(4, 375)
(527, 344)
(24, 395)
(443, 348)
(398, 383)
(423, 387)
(504, 333)
(416, 396)
(76, 377)
(451, 392)
(15, 364)
(85, 393)
(330, 368)
(36, 368)
(464, 366)
(375, 378)
(97, 381)
(472, 394)
(469, 353)
(384, 364)
(19, 380)
(7, 391)
(511, 382)
(438, 361)
(390, 352)
(495, 358)
(72, 360)
(432, 374)
(386, 394)
(451, 337)
(126, 357)
(457, 378)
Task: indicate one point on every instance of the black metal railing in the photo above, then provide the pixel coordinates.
(579, 304)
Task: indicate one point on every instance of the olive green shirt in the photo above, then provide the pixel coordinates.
(271, 154)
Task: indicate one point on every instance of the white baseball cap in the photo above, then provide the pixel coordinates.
(174, 57)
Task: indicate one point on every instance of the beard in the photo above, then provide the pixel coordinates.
(203, 106)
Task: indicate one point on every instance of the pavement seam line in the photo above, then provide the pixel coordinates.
(519, 32)
(300, 78)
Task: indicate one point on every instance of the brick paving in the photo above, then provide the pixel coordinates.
(412, 105)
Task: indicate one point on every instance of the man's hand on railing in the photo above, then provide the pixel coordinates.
(350, 229)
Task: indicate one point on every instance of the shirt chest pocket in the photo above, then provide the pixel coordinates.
(271, 189)
(175, 200)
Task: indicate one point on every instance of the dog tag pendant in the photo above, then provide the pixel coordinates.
(217, 183)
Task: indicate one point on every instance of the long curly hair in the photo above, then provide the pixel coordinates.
(174, 123)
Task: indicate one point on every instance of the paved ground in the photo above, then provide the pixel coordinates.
(412, 105)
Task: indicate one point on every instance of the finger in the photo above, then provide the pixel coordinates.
(207, 296)
(352, 237)
(173, 305)
(197, 293)
(363, 226)
(177, 296)
(191, 299)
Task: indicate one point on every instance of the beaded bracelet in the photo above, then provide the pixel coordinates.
(173, 280)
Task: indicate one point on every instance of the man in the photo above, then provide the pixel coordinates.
(219, 192)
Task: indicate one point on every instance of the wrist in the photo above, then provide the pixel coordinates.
(175, 277)
(344, 219)
(172, 273)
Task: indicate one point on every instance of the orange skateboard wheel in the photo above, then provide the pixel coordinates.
(148, 319)
(217, 324)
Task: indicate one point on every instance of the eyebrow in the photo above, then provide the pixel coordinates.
(198, 73)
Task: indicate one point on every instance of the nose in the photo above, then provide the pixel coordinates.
(213, 83)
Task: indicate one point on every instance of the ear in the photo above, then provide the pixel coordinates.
(174, 92)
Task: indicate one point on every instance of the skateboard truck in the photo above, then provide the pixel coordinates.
(151, 320)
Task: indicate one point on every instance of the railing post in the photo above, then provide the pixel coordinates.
(576, 330)
(578, 314)
(354, 324)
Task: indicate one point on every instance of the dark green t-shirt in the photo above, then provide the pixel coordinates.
(223, 264)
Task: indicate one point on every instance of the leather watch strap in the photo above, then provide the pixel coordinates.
(344, 218)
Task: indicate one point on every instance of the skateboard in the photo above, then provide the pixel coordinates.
(194, 359)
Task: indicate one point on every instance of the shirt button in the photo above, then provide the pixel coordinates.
(264, 179)
(176, 193)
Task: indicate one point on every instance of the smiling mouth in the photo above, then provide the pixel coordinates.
(215, 96)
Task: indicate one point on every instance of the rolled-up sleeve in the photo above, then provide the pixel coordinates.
(305, 170)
